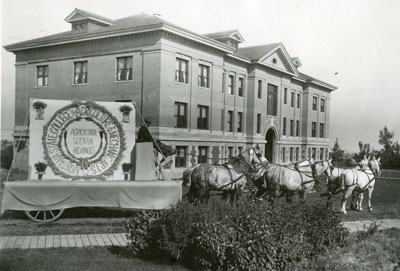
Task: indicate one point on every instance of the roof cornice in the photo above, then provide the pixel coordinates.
(239, 58)
(115, 33)
(322, 84)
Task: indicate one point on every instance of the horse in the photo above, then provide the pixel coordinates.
(289, 179)
(231, 178)
(357, 180)
(332, 182)
(187, 175)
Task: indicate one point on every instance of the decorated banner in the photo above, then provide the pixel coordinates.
(80, 139)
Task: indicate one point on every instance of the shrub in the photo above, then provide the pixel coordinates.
(39, 105)
(125, 109)
(249, 236)
(40, 166)
(7, 151)
(126, 167)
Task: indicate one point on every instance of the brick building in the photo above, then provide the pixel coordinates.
(208, 96)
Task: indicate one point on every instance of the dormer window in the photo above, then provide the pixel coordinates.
(83, 22)
(80, 28)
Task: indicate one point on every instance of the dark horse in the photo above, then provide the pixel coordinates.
(230, 178)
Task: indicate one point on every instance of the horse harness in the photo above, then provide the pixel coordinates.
(355, 176)
(313, 175)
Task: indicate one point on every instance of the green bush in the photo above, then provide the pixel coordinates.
(248, 236)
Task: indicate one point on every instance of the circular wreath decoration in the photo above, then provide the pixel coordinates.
(88, 104)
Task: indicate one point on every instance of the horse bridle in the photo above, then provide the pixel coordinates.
(324, 170)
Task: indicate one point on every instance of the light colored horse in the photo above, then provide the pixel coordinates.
(333, 182)
(359, 180)
(278, 179)
(230, 178)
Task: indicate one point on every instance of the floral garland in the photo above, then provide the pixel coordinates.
(117, 160)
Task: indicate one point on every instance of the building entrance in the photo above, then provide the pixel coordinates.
(269, 146)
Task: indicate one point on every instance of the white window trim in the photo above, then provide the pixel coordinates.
(116, 69)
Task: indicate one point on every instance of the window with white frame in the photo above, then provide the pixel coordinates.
(181, 156)
(284, 127)
(292, 99)
(182, 71)
(42, 76)
(314, 103)
(240, 122)
(202, 119)
(322, 105)
(258, 123)
(272, 100)
(81, 72)
(230, 152)
(241, 87)
(222, 119)
(285, 95)
(291, 154)
(203, 154)
(230, 121)
(259, 92)
(291, 127)
(313, 129)
(80, 28)
(283, 154)
(124, 68)
(204, 76)
(230, 84)
(298, 100)
(321, 130)
(181, 115)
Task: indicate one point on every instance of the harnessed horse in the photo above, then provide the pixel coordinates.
(231, 178)
(357, 180)
(281, 179)
(332, 182)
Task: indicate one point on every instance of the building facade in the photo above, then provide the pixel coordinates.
(207, 96)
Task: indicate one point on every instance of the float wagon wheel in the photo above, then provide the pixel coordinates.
(44, 216)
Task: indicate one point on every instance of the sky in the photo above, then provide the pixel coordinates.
(351, 44)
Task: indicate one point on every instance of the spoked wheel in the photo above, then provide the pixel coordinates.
(155, 214)
(45, 216)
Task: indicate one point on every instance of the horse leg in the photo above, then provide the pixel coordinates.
(289, 197)
(346, 195)
(354, 201)
(370, 190)
(359, 201)
(302, 194)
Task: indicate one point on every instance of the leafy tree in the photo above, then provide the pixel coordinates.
(390, 152)
(386, 139)
(337, 153)
(364, 150)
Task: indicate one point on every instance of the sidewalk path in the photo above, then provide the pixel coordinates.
(354, 226)
(119, 239)
(75, 240)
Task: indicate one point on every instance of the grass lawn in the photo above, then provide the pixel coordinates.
(365, 251)
(59, 259)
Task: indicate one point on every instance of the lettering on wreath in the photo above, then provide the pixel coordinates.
(83, 140)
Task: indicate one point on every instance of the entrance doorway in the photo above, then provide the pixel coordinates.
(269, 146)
